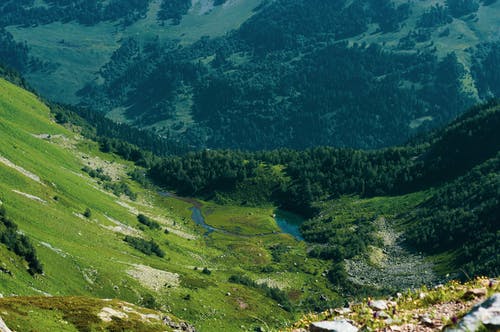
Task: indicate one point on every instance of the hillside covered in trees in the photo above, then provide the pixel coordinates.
(462, 181)
(279, 74)
(438, 194)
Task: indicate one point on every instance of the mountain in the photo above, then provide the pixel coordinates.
(74, 222)
(85, 213)
(253, 74)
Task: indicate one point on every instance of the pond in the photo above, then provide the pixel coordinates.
(289, 223)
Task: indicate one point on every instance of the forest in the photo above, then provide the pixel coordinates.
(465, 201)
(303, 85)
(291, 76)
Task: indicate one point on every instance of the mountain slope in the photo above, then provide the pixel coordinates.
(263, 75)
(98, 233)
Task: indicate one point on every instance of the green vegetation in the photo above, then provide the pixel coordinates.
(18, 243)
(240, 220)
(146, 247)
(148, 222)
(87, 213)
(439, 190)
(96, 173)
(45, 191)
(322, 174)
(272, 292)
(80, 314)
(260, 74)
(443, 305)
(462, 217)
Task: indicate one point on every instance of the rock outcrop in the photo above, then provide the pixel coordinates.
(340, 325)
(486, 314)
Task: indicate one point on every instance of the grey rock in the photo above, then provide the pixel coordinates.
(378, 305)
(383, 315)
(426, 321)
(3, 326)
(486, 313)
(342, 311)
(340, 325)
(493, 322)
(478, 292)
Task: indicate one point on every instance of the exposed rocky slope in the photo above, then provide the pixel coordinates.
(473, 306)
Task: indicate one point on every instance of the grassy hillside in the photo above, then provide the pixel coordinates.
(77, 227)
(77, 314)
(223, 262)
(74, 52)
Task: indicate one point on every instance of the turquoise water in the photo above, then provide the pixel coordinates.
(289, 223)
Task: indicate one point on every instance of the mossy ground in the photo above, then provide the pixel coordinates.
(78, 314)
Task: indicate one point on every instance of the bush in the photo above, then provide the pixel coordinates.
(149, 301)
(18, 243)
(148, 222)
(272, 292)
(88, 213)
(146, 247)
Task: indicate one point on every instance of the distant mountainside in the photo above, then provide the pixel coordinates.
(262, 74)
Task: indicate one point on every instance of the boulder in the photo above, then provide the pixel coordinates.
(340, 325)
(486, 313)
(342, 311)
(378, 305)
(426, 320)
(477, 292)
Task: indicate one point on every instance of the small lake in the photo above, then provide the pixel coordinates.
(289, 223)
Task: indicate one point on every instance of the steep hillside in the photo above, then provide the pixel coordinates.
(95, 232)
(42, 313)
(262, 75)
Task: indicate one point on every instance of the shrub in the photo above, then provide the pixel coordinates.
(272, 292)
(146, 247)
(18, 243)
(88, 213)
(148, 222)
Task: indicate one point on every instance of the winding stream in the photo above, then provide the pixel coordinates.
(287, 222)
